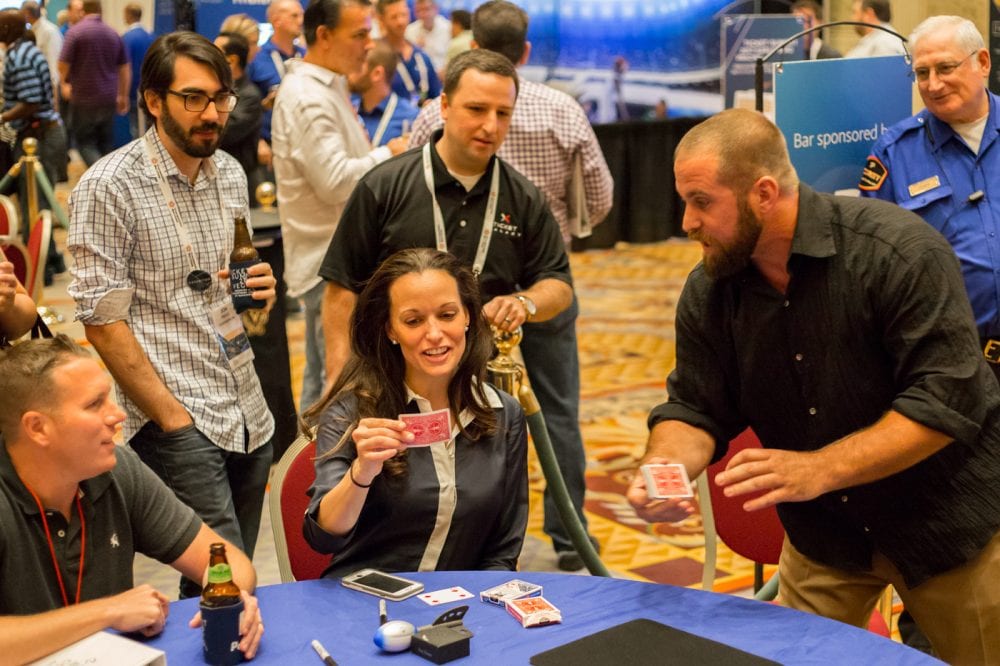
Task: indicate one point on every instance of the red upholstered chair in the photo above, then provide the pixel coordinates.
(291, 479)
(38, 253)
(8, 220)
(757, 536)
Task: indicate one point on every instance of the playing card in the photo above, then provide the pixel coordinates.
(430, 428)
(447, 595)
(663, 481)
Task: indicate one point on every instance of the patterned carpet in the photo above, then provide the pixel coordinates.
(628, 297)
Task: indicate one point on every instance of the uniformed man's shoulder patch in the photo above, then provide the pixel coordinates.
(873, 175)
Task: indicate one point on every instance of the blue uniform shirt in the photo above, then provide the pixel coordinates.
(922, 165)
(425, 82)
(263, 71)
(394, 127)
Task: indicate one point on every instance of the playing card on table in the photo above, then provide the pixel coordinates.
(663, 481)
(430, 428)
(444, 596)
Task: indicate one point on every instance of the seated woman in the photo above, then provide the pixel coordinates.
(419, 344)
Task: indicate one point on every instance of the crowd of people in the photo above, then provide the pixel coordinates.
(856, 339)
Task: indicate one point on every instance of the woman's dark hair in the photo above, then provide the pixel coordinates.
(376, 372)
(157, 73)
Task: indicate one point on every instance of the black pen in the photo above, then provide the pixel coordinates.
(382, 615)
(323, 654)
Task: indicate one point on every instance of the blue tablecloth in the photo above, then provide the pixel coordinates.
(344, 621)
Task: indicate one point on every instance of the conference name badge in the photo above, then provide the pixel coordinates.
(925, 185)
(230, 334)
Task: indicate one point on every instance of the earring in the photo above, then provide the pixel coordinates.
(395, 342)
(466, 328)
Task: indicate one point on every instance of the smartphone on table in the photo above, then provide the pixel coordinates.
(382, 584)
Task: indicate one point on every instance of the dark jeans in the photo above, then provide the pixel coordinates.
(93, 129)
(553, 364)
(225, 489)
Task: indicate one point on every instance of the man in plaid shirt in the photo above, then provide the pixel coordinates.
(150, 287)
(549, 138)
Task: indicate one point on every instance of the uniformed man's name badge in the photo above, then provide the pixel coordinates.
(873, 175)
(925, 185)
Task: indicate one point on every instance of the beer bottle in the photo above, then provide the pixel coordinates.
(243, 256)
(220, 590)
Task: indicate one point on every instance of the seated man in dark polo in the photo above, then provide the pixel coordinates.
(75, 507)
(456, 195)
(839, 330)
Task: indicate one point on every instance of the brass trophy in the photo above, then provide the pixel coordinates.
(266, 194)
(255, 321)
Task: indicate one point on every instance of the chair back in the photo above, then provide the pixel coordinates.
(38, 254)
(756, 536)
(17, 255)
(8, 220)
(287, 504)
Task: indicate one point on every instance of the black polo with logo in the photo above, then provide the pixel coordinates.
(391, 210)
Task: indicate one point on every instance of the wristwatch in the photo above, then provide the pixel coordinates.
(529, 305)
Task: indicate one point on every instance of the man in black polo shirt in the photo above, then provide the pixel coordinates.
(65, 483)
(511, 239)
(838, 329)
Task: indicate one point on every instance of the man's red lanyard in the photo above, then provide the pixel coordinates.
(52, 548)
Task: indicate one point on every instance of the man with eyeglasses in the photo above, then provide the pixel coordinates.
(943, 162)
(151, 230)
(942, 165)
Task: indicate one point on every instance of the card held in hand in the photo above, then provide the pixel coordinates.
(430, 428)
(666, 481)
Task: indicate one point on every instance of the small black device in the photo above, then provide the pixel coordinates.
(444, 640)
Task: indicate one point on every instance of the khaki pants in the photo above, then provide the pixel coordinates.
(958, 610)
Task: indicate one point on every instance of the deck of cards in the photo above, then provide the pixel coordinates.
(512, 589)
(534, 612)
(429, 428)
(666, 481)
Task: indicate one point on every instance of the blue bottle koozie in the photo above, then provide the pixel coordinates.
(242, 294)
(221, 634)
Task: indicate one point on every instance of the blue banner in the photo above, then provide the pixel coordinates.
(748, 37)
(832, 111)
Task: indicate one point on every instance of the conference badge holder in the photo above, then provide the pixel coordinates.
(230, 333)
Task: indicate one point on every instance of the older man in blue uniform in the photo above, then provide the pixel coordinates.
(939, 164)
(943, 162)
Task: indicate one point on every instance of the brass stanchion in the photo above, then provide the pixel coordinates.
(507, 375)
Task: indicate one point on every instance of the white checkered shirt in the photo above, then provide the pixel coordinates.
(546, 133)
(130, 266)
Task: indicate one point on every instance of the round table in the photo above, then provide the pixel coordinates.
(344, 621)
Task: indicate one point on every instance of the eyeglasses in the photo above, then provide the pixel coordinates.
(942, 69)
(198, 102)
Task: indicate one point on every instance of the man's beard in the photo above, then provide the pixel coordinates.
(185, 141)
(734, 257)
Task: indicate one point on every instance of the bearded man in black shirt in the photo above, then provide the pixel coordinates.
(839, 330)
